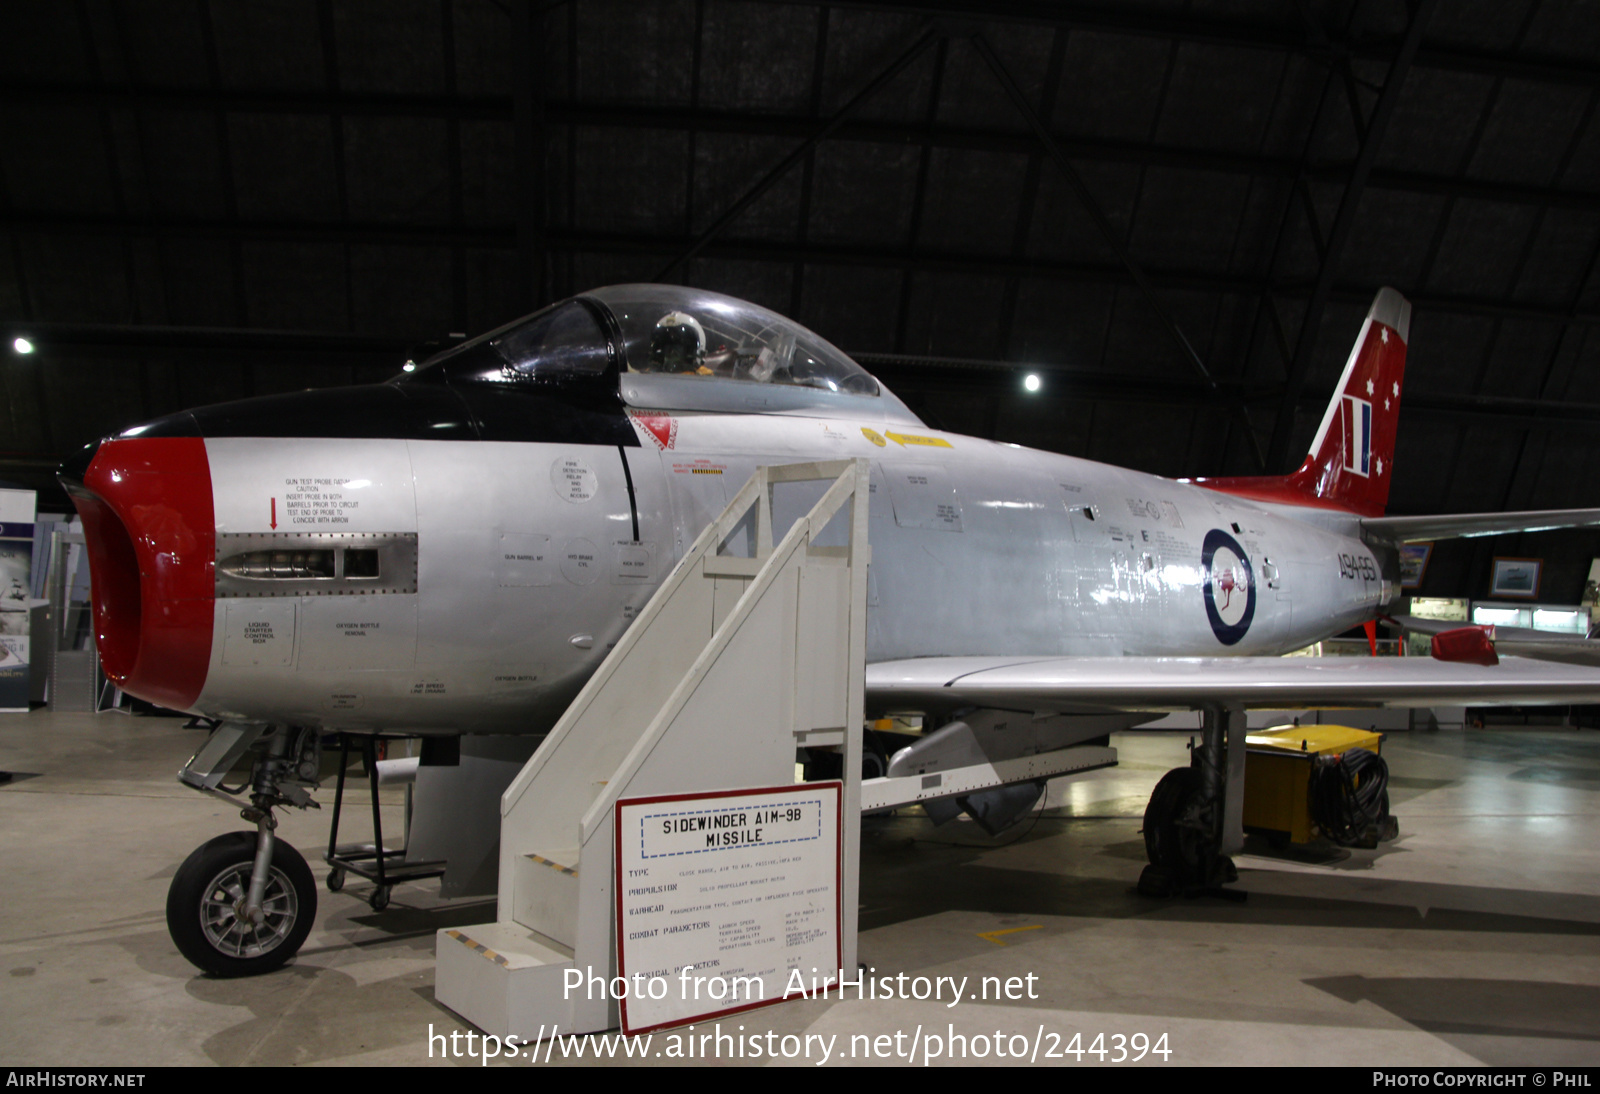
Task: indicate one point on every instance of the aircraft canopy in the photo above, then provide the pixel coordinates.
(673, 330)
(667, 331)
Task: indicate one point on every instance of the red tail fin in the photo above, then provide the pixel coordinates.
(1352, 457)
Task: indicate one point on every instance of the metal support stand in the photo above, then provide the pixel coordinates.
(385, 869)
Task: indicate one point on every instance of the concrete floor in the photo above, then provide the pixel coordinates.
(1475, 938)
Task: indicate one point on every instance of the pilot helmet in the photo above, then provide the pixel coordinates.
(678, 344)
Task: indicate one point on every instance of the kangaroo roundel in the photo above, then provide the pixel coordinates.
(1230, 587)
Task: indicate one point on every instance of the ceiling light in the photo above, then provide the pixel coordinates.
(22, 345)
(409, 366)
(1031, 382)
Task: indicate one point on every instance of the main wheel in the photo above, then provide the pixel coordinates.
(1169, 845)
(210, 887)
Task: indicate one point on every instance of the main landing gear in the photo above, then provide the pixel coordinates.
(244, 903)
(1193, 821)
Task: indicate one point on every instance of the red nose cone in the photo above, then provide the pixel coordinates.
(151, 536)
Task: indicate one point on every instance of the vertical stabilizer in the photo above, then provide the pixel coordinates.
(1352, 456)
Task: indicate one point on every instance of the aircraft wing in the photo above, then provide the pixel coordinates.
(1467, 525)
(1096, 684)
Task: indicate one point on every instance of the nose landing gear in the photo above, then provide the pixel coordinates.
(244, 903)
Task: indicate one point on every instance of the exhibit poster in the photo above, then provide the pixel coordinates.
(1517, 577)
(1414, 564)
(725, 901)
(16, 560)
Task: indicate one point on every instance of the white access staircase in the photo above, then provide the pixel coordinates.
(734, 663)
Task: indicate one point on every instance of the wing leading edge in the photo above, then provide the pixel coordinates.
(1089, 684)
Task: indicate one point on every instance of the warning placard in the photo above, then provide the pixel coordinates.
(318, 500)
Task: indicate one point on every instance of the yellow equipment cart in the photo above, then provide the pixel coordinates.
(1277, 776)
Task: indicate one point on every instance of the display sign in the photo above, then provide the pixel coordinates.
(16, 560)
(725, 901)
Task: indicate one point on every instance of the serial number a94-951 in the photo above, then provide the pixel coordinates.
(1352, 567)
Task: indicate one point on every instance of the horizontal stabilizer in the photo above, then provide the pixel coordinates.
(1571, 649)
(1467, 525)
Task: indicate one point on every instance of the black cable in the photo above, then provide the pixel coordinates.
(1349, 797)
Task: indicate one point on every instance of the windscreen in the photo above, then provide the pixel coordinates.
(558, 344)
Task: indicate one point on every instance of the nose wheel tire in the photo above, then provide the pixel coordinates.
(205, 907)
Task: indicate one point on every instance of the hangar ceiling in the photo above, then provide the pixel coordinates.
(1176, 212)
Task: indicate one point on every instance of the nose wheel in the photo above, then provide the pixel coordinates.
(208, 912)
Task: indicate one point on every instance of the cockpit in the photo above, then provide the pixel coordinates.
(669, 330)
(668, 347)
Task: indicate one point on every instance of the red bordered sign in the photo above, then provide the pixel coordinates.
(722, 897)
